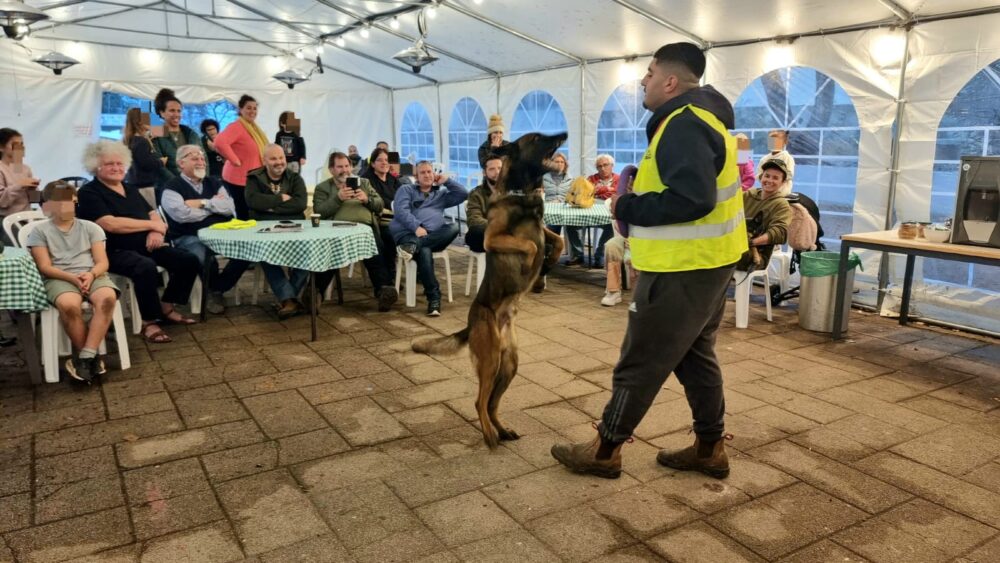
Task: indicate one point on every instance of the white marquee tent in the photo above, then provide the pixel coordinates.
(898, 62)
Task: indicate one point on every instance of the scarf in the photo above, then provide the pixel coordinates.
(256, 134)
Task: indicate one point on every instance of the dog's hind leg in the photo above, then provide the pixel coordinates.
(484, 344)
(508, 369)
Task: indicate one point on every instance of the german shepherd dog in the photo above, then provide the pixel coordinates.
(515, 242)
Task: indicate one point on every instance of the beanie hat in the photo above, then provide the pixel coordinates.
(496, 125)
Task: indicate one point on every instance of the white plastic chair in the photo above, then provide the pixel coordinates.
(19, 220)
(781, 265)
(411, 276)
(744, 286)
(55, 342)
(477, 262)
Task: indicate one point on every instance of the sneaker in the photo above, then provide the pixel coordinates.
(216, 303)
(98, 367)
(386, 297)
(611, 298)
(406, 250)
(79, 370)
(434, 308)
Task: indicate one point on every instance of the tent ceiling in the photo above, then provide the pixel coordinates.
(474, 40)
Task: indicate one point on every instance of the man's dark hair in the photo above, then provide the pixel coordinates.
(689, 55)
(205, 124)
(334, 156)
(386, 143)
(491, 156)
(775, 165)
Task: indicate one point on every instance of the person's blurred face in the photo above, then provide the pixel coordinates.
(193, 165)
(249, 111)
(776, 140)
(496, 138)
(14, 147)
(172, 115)
(211, 131)
(340, 170)
(111, 169)
(605, 169)
(274, 160)
(560, 161)
(492, 170)
(62, 211)
(425, 176)
(352, 150)
(771, 181)
(381, 164)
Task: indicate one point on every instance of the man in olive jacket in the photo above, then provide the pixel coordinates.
(275, 193)
(334, 199)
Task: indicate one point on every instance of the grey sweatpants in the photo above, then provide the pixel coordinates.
(672, 323)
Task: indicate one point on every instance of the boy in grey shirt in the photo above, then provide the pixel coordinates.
(70, 255)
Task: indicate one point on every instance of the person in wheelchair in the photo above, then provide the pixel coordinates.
(768, 216)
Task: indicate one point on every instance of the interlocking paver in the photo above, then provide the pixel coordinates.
(700, 543)
(205, 406)
(283, 413)
(73, 537)
(362, 421)
(643, 512)
(514, 546)
(954, 450)
(465, 518)
(158, 449)
(579, 534)
(213, 542)
(550, 490)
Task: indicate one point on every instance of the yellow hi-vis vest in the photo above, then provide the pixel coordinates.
(715, 240)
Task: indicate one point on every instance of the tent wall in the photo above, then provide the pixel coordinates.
(64, 112)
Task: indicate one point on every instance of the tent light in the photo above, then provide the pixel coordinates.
(628, 71)
(341, 42)
(887, 50)
(299, 54)
(56, 62)
(432, 11)
(16, 16)
(779, 56)
(364, 32)
(394, 23)
(290, 77)
(319, 49)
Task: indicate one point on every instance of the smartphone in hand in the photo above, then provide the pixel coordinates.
(354, 183)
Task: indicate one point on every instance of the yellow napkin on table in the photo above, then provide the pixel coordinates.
(234, 224)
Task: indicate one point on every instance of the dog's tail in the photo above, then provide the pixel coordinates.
(443, 345)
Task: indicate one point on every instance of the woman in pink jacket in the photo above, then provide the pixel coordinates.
(241, 144)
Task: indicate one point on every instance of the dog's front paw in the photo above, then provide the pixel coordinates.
(508, 434)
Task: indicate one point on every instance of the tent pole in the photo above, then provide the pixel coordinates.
(392, 118)
(890, 205)
(441, 131)
(583, 115)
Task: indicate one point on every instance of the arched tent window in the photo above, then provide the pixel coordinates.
(417, 134)
(114, 106)
(466, 131)
(970, 127)
(823, 138)
(621, 130)
(539, 112)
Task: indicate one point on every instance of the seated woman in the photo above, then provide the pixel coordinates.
(136, 244)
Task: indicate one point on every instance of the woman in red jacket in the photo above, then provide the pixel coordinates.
(241, 144)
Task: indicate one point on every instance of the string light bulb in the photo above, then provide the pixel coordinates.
(341, 42)
(394, 23)
(364, 32)
(299, 54)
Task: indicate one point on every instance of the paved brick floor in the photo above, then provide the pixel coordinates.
(242, 440)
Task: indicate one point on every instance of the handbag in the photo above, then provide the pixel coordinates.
(581, 193)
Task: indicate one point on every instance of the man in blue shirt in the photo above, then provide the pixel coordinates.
(419, 226)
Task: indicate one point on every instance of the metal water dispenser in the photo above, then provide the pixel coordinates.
(977, 207)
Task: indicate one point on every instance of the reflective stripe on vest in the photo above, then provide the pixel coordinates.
(717, 239)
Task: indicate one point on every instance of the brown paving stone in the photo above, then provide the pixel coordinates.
(465, 518)
(105, 433)
(75, 466)
(389, 381)
(643, 512)
(592, 404)
(579, 534)
(955, 449)
(987, 477)
(980, 393)
(446, 478)
(283, 413)
(362, 421)
(340, 390)
(882, 410)
(832, 477)
(514, 546)
(364, 512)
(127, 554)
(893, 387)
(545, 374)
(316, 550)
(158, 449)
(700, 543)
(205, 406)
(786, 520)
(409, 545)
(634, 554)
(551, 490)
(240, 462)
(73, 537)
(271, 383)
(159, 482)
(57, 397)
(131, 388)
(750, 433)
(815, 409)
(915, 531)
(55, 419)
(664, 418)
(698, 491)
(353, 363)
(345, 469)
(765, 391)
(269, 511)
(986, 553)
(310, 445)
(816, 378)
(558, 415)
(457, 441)
(824, 551)
(55, 502)
(779, 418)
(142, 404)
(177, 513)
(935, 486)
(15, 512)
(832, 444)
(579, 363)
(426, 394)
(426, 372)
(429, 419)
(871, 432)
(14, 479)
(214, 542)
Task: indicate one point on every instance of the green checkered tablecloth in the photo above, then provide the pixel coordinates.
(562, 214)
(316, 249)
(21, 287)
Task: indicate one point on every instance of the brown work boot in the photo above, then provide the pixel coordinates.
(289, 308)
(708, 457)
(582, 458)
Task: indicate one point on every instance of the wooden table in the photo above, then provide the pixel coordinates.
(889, 241)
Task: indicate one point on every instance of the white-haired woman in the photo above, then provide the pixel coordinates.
(136, 243)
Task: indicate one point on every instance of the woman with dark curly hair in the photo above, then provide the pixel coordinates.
(209, 130)
(175, 135)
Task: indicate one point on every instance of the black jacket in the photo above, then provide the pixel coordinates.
(689, 156)
(147, 168)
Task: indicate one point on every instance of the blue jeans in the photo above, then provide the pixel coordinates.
(285, 287)
(219, 282)
(435, 241)
(576, 245)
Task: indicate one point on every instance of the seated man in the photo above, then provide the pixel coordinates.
(136, 243)
(478, 205)
(768, 216)
(777, 143)
(419, 227)
(275, 193)
(334, 199)
(191, 202)
(71, 257)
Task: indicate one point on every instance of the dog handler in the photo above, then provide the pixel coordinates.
(687, 232)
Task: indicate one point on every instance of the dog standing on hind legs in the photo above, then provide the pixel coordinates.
(515, 250)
